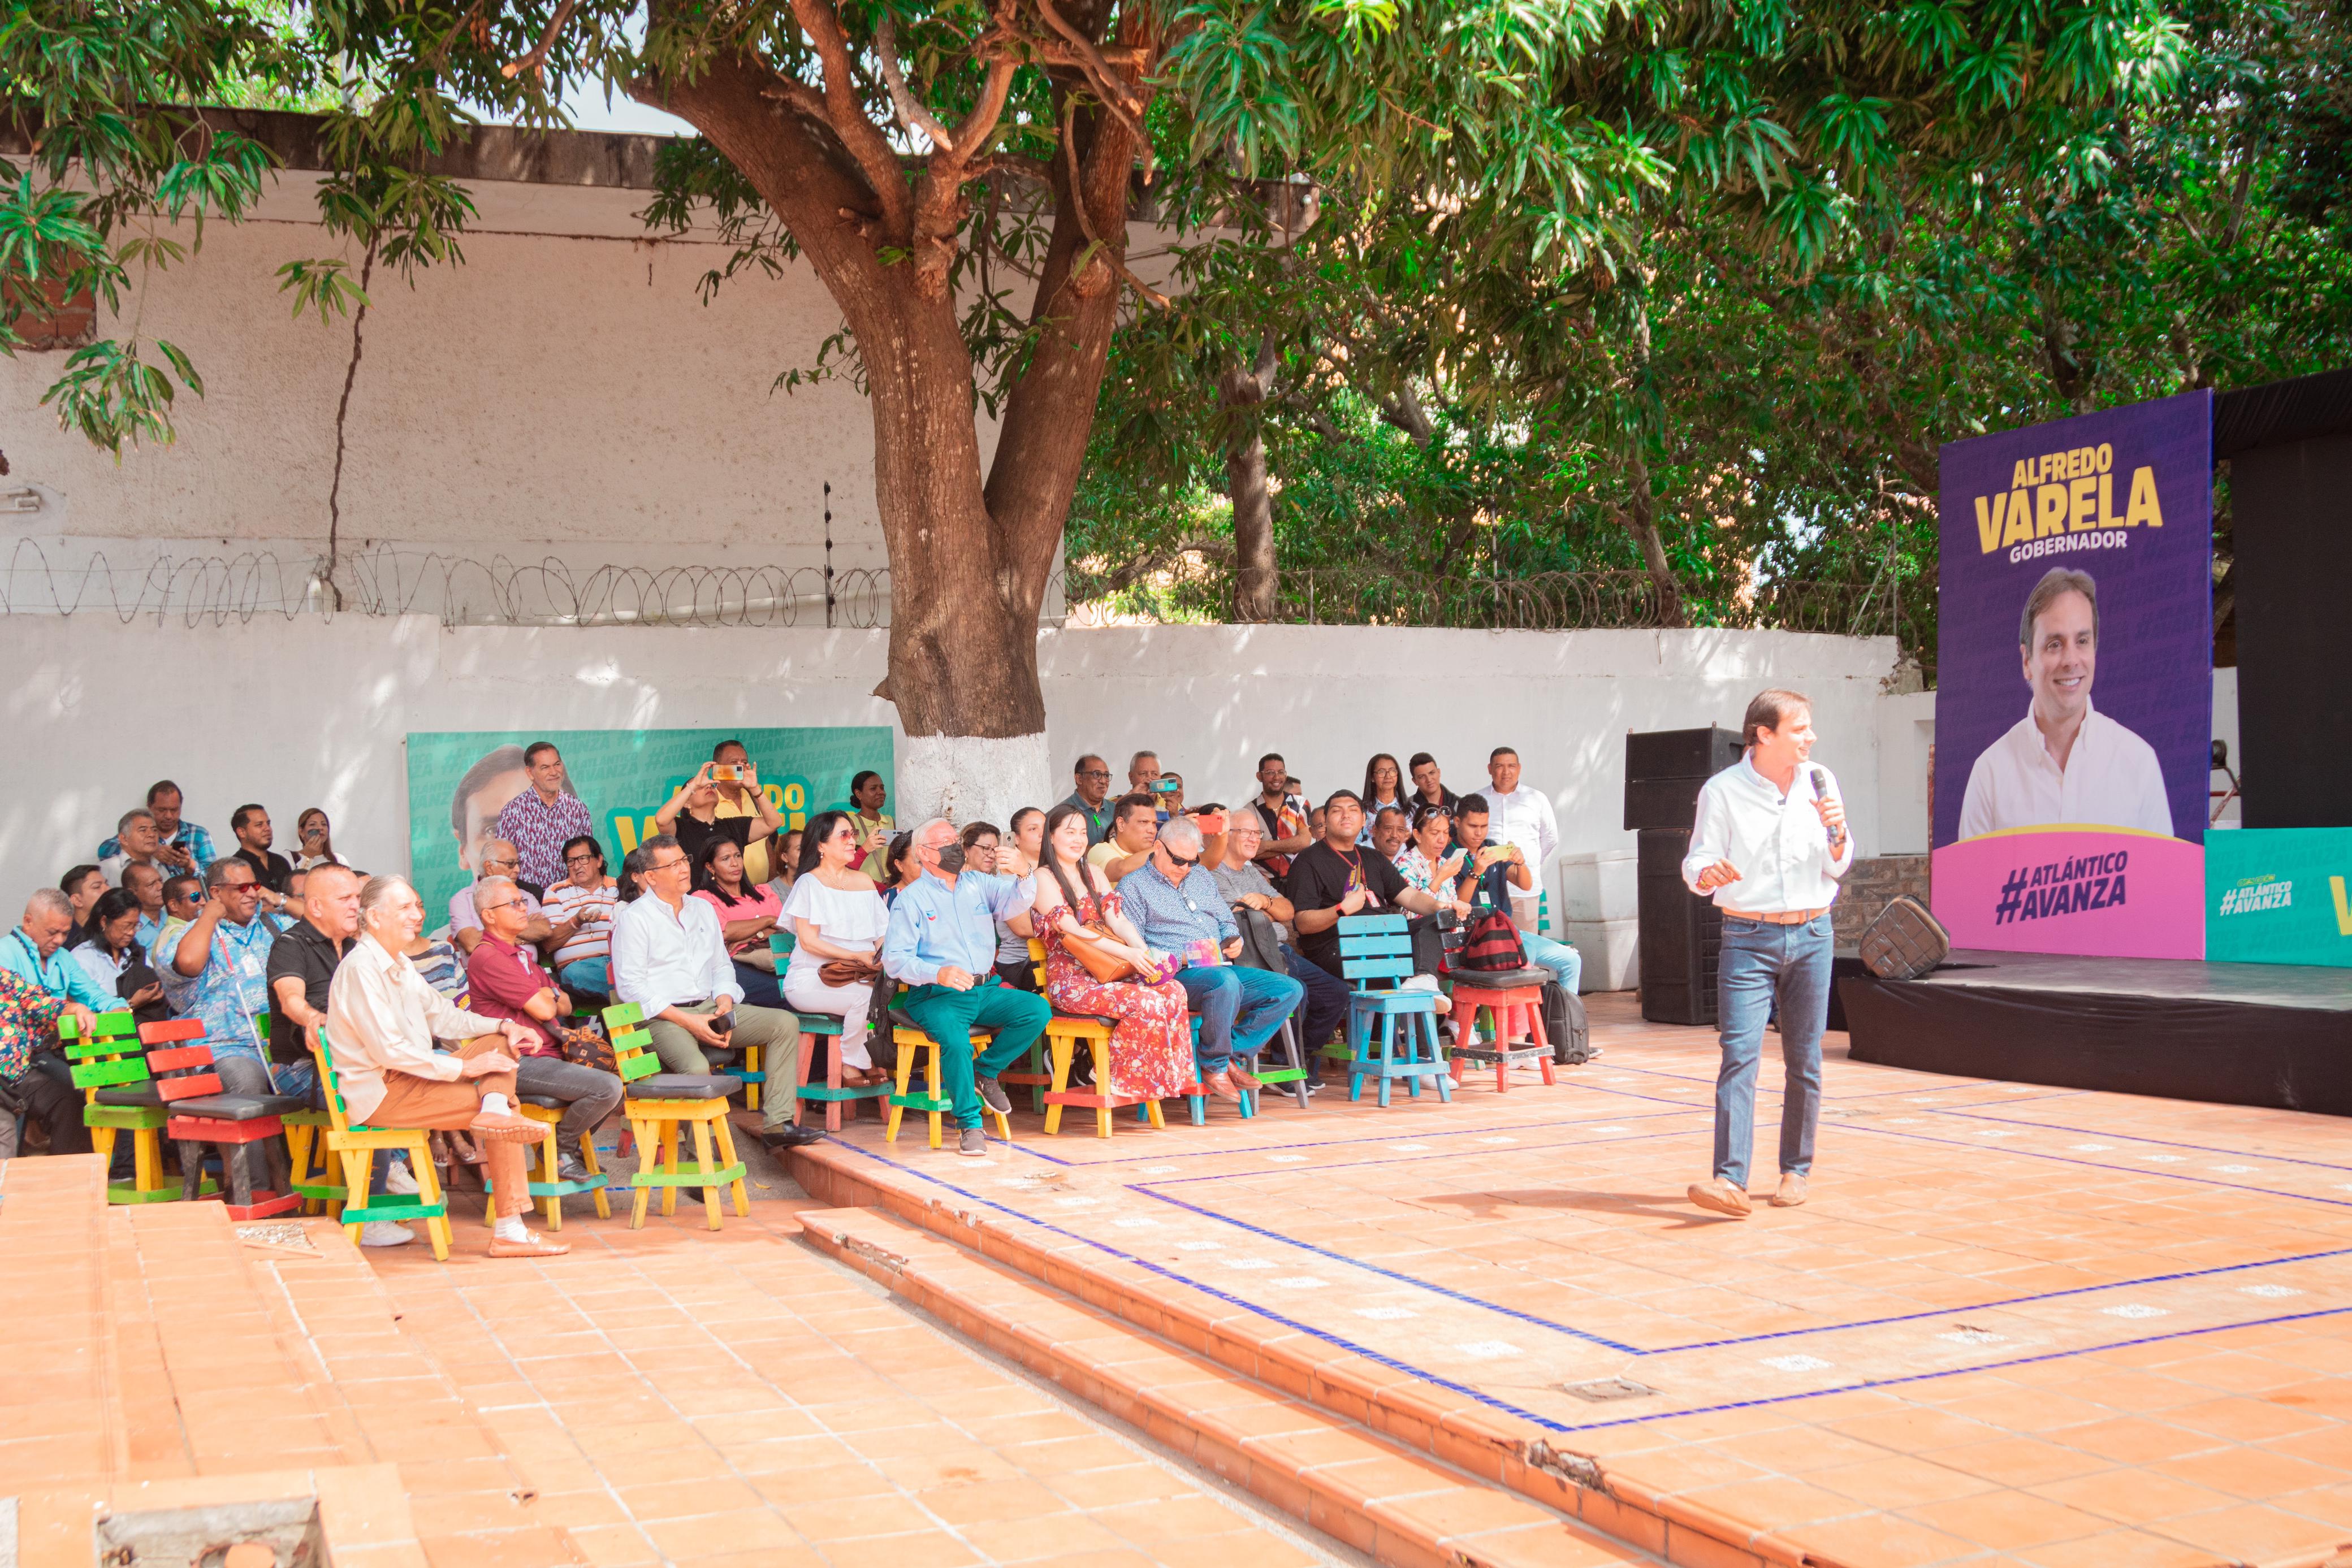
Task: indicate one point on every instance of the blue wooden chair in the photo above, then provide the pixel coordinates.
(1392, 1032)
(830, 1094)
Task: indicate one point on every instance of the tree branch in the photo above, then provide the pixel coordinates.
(911, 112)
(1116, 259)
(535, 62)
(1117, 94)
(848, 116)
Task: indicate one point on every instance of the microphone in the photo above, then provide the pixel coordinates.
(1822, 791)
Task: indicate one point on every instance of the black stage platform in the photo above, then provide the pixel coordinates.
(2242, 1034)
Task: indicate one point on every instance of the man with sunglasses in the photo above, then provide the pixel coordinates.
(669, 958)
(1176, 907)
(499, 858)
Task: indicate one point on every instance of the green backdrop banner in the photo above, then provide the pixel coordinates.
(458, 781)
(2277, 896)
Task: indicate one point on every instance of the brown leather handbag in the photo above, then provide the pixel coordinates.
(1101, 964)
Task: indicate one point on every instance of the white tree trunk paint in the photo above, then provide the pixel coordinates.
(966, 779)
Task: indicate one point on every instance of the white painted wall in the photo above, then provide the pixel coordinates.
(311, 712)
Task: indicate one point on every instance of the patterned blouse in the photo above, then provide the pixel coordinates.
(28, 1016)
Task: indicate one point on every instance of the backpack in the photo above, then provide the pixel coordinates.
(1565, 1026)
(1904, 941)
(1490, 942)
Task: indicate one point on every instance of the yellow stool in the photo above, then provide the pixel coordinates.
(356, 1147)
(549, 1187)
(670, 1100)
(934, 1104)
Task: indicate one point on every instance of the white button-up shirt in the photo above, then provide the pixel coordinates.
(1776, 842)
(1523, 817)
(664, 958)
(2111, 780)
(382, 1015)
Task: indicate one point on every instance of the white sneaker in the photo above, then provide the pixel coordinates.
(385, 1233)
(400, 1181)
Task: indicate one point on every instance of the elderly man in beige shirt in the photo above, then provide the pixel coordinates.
(383, 1017)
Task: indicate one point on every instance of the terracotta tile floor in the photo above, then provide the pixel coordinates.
(2060, 1327)
(678, 1397)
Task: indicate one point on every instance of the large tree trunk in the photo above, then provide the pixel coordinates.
(1242, 391)
(969, 557)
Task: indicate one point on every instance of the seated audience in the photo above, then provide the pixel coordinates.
(538, 820)
(1135, 828)
(499, 858)
(28, 1030)
(1243, 882)
(382, 1024)
(1383, 789)
(1432, 862)
(747, 913)
(35, 952)
(903, 866)
(868, 795)
(691, 816)
(1389, 833)
(1092, 777)
(786, 862)
(144, 884)
(136, 842)
(504, 981)
(1281, 816)
(1334, 878)
(1429, 786)
(272, 872)
(836, 918)
(1151, 1047)
(311, 832)
(1174, 903)
(437, 959)
(302, 963)
(181, 845)
(941, 944)
(1021, 853)
(1499, 873)
(984, 855)
(741, 797)
(578, 940)
(670, 959)
(217, 972)
(81, 887)
(1142, 769)
(184, 895)
(111, 955)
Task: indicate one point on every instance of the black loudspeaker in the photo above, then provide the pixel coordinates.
(1681, 933)
(1663, 770)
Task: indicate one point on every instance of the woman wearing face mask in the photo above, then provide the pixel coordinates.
(838, 920)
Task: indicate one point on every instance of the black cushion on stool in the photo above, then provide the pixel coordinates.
(544, 1102)
(685, 1087)
(238, 1107)
(1500, 980)
(145, 1094)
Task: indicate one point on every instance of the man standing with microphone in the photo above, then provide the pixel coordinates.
(1769, 846)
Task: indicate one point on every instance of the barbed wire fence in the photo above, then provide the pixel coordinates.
(461, 589)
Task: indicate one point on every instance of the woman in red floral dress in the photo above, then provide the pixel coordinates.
(1151, 1046)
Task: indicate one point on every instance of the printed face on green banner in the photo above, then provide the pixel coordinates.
(458, 782)
(2278, 895)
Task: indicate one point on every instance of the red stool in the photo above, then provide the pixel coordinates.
(190, 1087)
(1512, 1003)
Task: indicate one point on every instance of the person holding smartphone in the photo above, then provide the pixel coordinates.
(737, 779)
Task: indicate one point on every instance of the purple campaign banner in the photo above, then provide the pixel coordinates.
(2104, 854)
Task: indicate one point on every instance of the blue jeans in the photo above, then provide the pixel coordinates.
(1240, 1009)
(588, 975)
(1758, 962)
(1560, 957)
(1327, 1002)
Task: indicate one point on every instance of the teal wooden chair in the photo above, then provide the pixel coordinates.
(1392, 1032)
(831, 1094)
(119, 1095)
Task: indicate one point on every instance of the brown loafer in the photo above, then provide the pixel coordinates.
(1243, 1077)
(1792, 1191)
(537, 1247)
(495, 1129)
(1221, 1084)
(1721, 1196)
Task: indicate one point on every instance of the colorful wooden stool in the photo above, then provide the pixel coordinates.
(911, 1042)
(241, 1126)
(356, 1147)
(549, 1187)
(1375, 958)
(657, 1105)
(1510, 1002)
(119, 1095)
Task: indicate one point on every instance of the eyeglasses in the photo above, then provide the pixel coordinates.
(1180, 860)
(583, 858)
(667, 865)
(494, 908)
(1094, 772)
(511, 861)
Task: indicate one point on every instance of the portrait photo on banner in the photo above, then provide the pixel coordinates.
(2075, 684)
(458, 782)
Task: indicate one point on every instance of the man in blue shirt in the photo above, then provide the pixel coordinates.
(218, 972)
(35, 952)
(942, 945)
(181, 845)
(1175, 905)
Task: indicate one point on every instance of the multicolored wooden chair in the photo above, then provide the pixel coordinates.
(912, 1042)
(1059, 1044)
(312, 1167)
(831, 1094)
(241, 1126)
(657, 1105)
(548, 1187)
(356, 1147)
(119, 1095)
(1375, 958)
(1509, 1004)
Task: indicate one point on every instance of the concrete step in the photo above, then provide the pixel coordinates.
(1406, 1508)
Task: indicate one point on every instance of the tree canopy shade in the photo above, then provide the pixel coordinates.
(960, 174)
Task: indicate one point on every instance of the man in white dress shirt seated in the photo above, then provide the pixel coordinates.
(1769, 846)
(670, 959)
(2064, 761)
